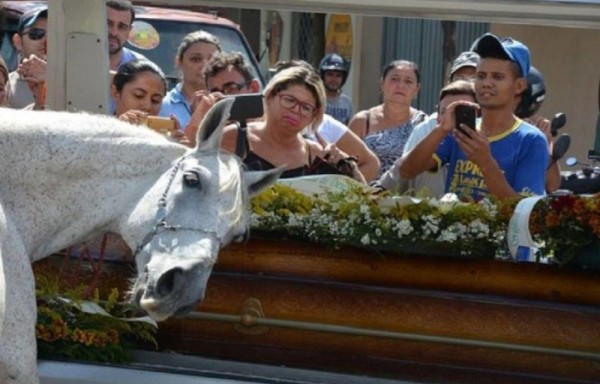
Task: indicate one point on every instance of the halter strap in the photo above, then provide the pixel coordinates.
(161, 217)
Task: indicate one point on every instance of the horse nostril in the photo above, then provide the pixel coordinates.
(167, 281)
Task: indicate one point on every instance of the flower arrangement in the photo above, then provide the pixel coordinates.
(97, 329)
(382, 222)
(566, 224)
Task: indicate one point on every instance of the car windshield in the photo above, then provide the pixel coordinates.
(170, 34)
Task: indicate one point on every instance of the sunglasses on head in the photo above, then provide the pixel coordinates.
(35, 33)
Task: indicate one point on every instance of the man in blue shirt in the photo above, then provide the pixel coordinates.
(504, 156)
(120, 17)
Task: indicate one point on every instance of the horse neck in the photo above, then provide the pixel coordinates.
(69, 176)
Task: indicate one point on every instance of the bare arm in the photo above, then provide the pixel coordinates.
(358, 124)
(420, 159)
(203, 101)
(368, 162)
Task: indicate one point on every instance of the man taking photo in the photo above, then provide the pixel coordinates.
(502, 156)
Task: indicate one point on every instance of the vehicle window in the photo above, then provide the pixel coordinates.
(172, 32)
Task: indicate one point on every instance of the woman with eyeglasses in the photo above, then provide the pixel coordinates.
(293, 99)
(195, 50)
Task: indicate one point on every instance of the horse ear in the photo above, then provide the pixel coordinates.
(259, 180)
(211, 129)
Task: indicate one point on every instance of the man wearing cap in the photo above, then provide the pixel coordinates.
(26, 82)
(504, 156)
(463, 68)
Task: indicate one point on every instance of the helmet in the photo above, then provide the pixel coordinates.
(334, 62)
(533, 97)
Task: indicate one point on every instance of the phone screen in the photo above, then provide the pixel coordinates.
(465, 115)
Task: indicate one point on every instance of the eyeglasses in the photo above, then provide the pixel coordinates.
(230, 88)
(290, 102)
(35, 33)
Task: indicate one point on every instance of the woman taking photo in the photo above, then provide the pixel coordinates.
(385, 128)
(293, 99)
(138, 89)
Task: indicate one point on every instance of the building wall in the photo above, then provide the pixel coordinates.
(569, 59)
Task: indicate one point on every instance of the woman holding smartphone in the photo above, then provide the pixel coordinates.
(138, 89)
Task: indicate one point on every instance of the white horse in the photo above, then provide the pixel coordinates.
(67, 177)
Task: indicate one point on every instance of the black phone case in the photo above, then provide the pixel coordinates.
(464, 115)
(247, 106)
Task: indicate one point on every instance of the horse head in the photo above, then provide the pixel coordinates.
(194, 209)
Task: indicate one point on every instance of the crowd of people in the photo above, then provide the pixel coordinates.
(308, 124)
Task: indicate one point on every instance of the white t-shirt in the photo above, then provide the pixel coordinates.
(330, 130)
(420, 132)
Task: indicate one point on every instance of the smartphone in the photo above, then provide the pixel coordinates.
(465, 115)
(160, 124)
(247, 106)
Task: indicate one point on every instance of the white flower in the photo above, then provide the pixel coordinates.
(365, 239)
(447, 236)
(431, 226)
(403, 228)
(479, 229)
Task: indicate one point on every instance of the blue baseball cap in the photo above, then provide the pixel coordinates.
(30, 17)
(490, 45)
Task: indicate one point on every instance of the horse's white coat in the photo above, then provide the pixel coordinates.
(67, 177)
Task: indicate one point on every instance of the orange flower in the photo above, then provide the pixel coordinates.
(552, 219)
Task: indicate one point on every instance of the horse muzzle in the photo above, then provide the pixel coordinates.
(175, 291)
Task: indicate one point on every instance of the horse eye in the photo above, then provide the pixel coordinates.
(191, 179)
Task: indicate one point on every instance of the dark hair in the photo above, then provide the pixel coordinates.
(222, 61)
(402, 63)
(197, 37)
(458, 87)
(122, 5)
(128, 72)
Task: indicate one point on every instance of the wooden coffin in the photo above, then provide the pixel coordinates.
(432, 319)
(409, 317)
